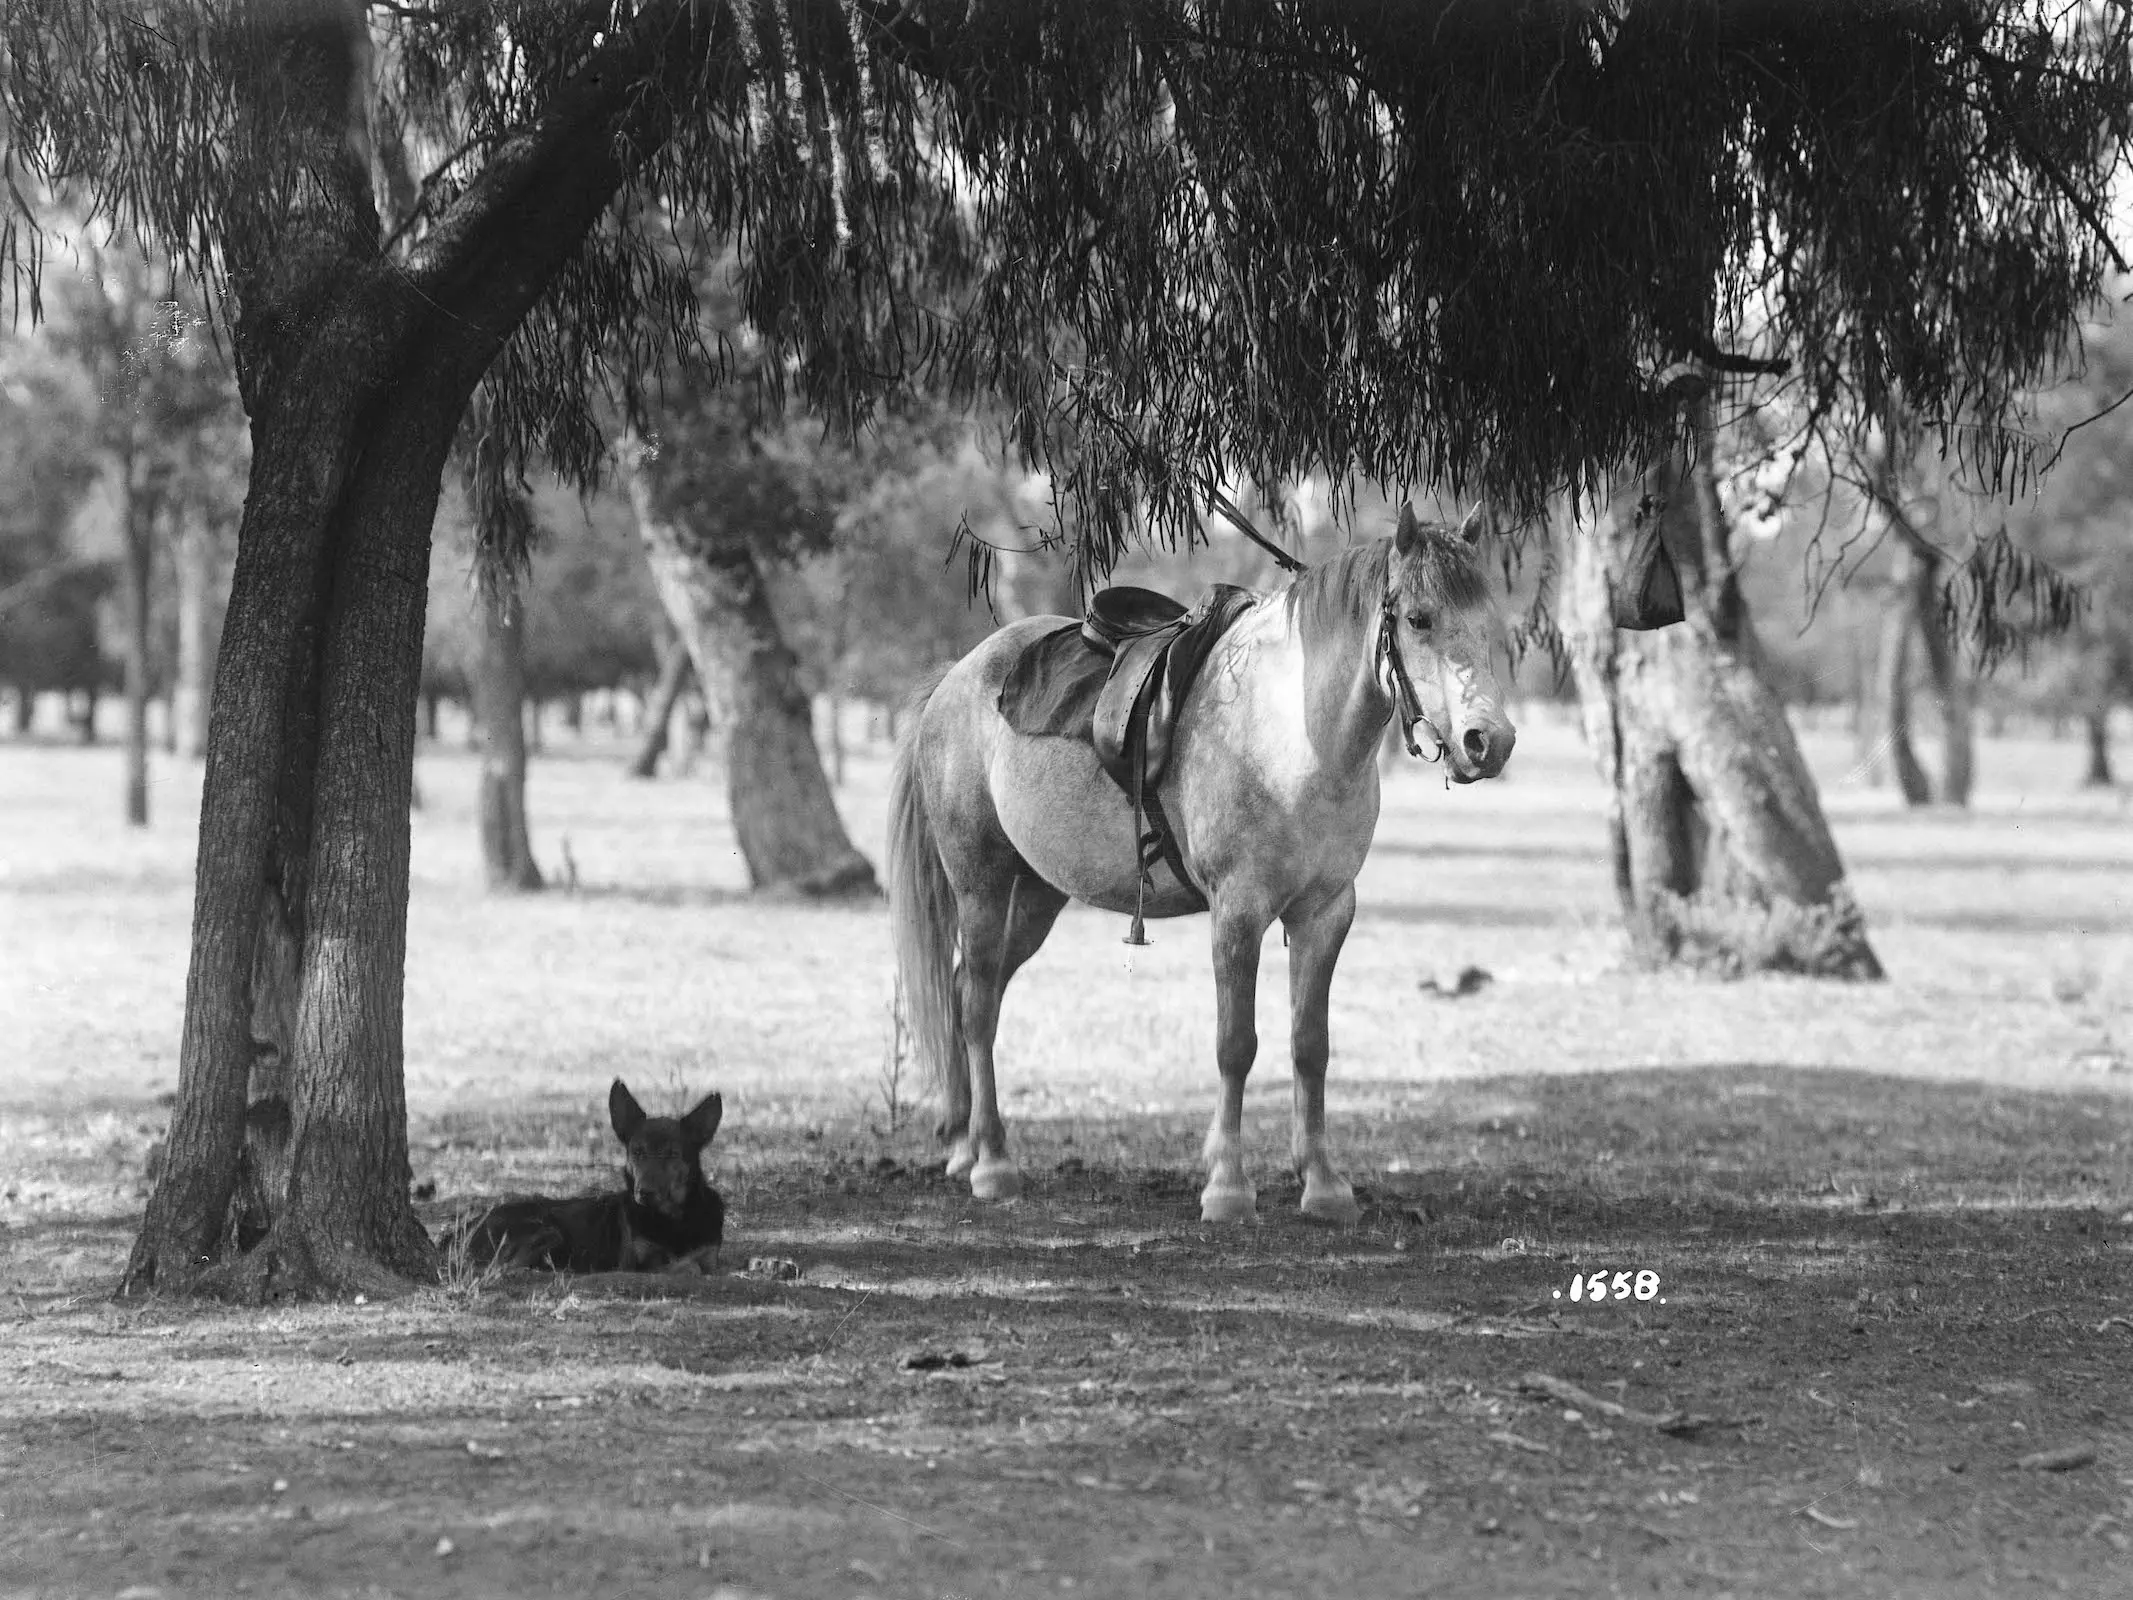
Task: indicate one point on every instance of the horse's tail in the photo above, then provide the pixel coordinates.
(922, 917)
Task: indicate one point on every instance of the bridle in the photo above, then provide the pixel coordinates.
(1406, 704)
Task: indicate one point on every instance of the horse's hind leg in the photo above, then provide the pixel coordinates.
(1003, 922)
(1316, 934)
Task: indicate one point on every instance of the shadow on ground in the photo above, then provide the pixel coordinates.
(1879, 1294)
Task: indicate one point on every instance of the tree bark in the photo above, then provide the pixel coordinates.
(666, 694)
(25, 712)
(500, 700)
(355, 370)
(1951, 686)
(195, 555)
(784, 813)
(84, 716)
(2098, 723)
(1722, 858)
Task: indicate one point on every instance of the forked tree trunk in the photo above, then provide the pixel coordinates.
(2098, 723)
(784, 814)
(500, 700)
(194, 550)
(1722, 858)
(356, 369)
(666, 694)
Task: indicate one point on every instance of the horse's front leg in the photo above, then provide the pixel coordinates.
(1316, 934)
(1228, 1196)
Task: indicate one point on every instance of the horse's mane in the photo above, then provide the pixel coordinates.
(1440, 569)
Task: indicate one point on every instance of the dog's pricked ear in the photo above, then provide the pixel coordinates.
(1409, 530)
(698, 1126)
(624, 1112)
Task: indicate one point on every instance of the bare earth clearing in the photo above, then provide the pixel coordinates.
(1892, 1228)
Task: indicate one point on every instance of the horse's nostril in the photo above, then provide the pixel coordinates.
(1476, 744)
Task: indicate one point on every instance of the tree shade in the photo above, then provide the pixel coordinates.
(1439, 242)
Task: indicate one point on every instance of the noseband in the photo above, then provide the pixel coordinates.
(1406, 704)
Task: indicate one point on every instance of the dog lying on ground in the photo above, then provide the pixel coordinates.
(668, 1219)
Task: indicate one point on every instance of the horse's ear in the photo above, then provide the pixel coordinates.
(624, 1112)
(1470, 529)
(1409, 530)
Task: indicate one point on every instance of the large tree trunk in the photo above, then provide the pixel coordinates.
(500, 700)
(137, 566)
(666, 694)
(784, 813)
(1722, 858)
(2098, 722)
(195, 557)
(356, 369)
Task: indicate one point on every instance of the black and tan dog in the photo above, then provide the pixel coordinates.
(668, 1219)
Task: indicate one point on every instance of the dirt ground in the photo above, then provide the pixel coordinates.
(1890, 1230)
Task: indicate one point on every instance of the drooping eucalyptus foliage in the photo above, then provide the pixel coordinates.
(1439, 242)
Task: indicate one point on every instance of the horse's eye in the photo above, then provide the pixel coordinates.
(1419, 621)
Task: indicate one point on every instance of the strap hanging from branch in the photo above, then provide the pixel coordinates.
(1222, 503)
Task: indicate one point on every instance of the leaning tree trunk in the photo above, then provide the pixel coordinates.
(666, 694)
(2098, 723)
(1914, 613)
(784, 813)
(356, 367)
(1722, 858)
(499, 703)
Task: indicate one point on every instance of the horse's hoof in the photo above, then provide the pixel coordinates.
(1228, 1205)
(962, 1156)
(995, 1180)
(1330, 1204)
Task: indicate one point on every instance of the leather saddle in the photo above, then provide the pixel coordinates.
(1117, 680)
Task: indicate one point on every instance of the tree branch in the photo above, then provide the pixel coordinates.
(497, 247)
(1995, 71)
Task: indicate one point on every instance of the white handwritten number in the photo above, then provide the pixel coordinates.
(1647, 1285)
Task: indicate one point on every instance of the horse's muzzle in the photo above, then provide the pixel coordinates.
(1481, 752)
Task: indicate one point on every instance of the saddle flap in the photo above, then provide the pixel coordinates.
(1134, 679)
(1123, 613)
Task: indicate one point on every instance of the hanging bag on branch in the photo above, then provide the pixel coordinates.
(1646, 593)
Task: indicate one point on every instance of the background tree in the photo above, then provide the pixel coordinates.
(48, 590)
(717, 500)
(2080, 522)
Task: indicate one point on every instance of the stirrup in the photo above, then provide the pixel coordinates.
(1138, 933)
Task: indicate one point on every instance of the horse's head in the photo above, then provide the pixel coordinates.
(1442, 621)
